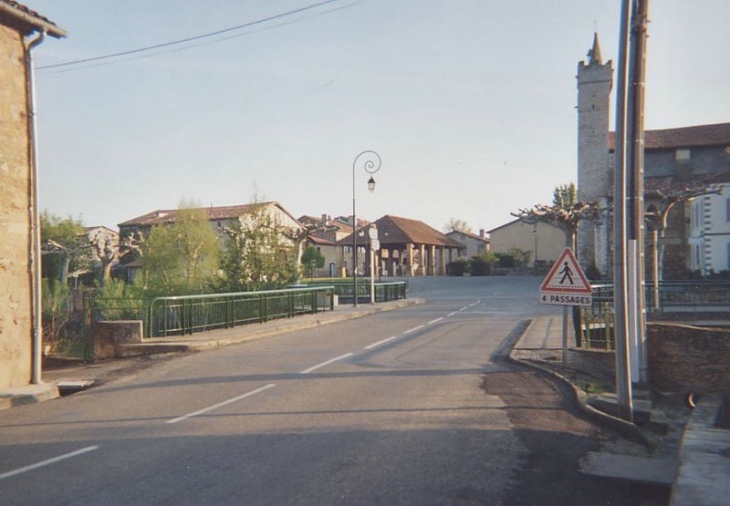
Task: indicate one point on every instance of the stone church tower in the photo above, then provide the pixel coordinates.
(595, 80)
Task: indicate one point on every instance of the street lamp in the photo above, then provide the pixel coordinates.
(370, 161)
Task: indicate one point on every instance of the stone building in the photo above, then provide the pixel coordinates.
(673, 159)
(21, 30)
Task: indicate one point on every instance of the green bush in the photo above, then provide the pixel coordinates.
(458, 267)
(480, 266)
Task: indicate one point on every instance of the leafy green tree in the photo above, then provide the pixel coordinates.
(65, 246)
(257, 254)
(182, 257)
(565, 195)
(521, 256)
(312, 259)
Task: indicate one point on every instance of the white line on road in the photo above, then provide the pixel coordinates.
(435, 321)
(328, 362)
(31, 467)
(380, 342)
(413, 329)
(451, 313)
(220, 404)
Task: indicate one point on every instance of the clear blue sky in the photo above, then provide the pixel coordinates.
(470, 103)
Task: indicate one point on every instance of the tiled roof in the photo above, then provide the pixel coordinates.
(395, 230)
(654, 186)
(164, 216)
(469, 234)
(686, 137)
(29, 19)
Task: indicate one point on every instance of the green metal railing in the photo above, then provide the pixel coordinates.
(595, 325)
(385, 291)
(163, 316)
(197, 313)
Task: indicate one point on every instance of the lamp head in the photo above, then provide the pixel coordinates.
(371, 184)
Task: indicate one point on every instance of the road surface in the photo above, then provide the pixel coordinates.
(411, 407)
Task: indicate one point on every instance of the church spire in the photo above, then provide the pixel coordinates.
(594, 54)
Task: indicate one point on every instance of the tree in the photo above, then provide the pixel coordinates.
(181, 258)
(565, 195)
(565, 213)
(257, 255)
(456, 224)
(657, 214)
(107, 251)
(312, 259)
(65, 246)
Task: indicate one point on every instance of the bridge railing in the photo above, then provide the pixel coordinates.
(595, 325)
(196, 313)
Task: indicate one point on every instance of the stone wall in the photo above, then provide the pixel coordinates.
(683, 358)
(15, 295)
(107, 335)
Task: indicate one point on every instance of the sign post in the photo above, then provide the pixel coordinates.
(566, 285)
(374, 246)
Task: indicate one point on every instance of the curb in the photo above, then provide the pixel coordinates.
(626, 429)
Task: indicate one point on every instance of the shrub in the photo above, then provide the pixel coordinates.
(458, 267)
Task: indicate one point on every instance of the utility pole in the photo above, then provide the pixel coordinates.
(628, 268)
(635, 188)
(623, 380)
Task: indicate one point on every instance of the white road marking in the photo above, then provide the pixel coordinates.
(221, 404)
(328, 362)
(44, 463)
(380, 342)
(435, 321)
(413, 329)
(452, 313)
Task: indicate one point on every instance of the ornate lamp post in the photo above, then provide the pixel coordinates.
(370, 161)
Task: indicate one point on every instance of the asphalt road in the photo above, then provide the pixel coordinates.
(414, 407)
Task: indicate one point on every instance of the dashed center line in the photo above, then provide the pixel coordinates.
(328, 362)
(413, 329)
(435, 321)
(380, 342)
(221, 404)
(48, 462)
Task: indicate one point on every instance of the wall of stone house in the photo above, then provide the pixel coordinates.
(683, 358)
(15, 297)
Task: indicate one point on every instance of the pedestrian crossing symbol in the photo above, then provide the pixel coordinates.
(566, 284)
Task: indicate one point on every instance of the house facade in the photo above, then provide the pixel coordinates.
(20, 31)
(673, 159)
(476, 245)
(544, 240)
(327, 231)
(709, 236)
(220, 219)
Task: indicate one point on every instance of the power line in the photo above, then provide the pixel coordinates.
(187, 39)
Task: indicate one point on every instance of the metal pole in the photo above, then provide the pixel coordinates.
(623, 381)
(635, 175)
(371, 166)
(372, 273)
(354, 237)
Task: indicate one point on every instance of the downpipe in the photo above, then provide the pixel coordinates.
(34, 215)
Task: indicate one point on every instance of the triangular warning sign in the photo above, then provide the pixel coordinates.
(566, 276)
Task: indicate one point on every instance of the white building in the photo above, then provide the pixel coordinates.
(709, 237)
